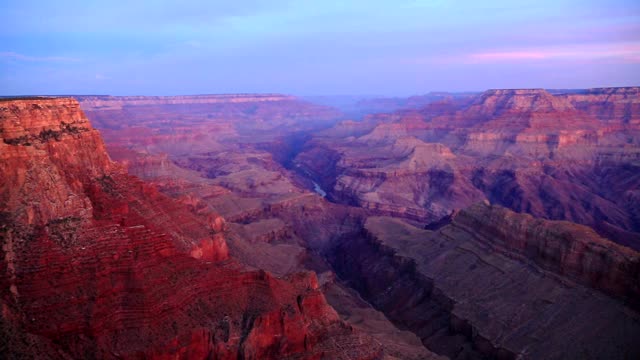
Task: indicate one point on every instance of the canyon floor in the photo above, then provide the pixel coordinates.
(496, 225)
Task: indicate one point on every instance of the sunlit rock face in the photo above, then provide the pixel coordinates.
(98, 264)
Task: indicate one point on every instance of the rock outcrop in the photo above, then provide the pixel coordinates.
(574, 251)
(45, 161)
(496, 284)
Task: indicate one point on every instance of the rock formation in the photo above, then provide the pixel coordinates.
(529, 150)
(496, 284)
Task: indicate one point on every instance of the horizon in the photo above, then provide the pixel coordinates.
(364, 96)
(359, 48)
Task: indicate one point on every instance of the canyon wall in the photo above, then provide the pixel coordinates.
(473, 289)
(611, 105)
(529, 150)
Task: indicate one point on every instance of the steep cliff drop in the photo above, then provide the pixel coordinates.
(499, 285)
(97, 264)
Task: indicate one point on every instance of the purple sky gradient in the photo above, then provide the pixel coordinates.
(315, 47)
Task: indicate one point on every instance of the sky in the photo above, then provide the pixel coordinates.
(315, 47)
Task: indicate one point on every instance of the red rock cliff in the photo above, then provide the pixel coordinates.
(48, 153)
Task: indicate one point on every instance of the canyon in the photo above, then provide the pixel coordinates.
(497, 225)
(98, 264)
(527, 150)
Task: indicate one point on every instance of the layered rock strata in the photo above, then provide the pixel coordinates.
(502, 288)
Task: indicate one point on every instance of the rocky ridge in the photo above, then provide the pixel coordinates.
(473, 289)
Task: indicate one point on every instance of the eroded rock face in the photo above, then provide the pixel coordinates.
(611, 105)
(561, 247)
(44, 162)
(493, 283)
(97, 264)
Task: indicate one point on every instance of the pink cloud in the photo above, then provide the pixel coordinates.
(508, 55)
(625, 52)
(20, 57)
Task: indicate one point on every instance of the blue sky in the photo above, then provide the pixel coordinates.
(308, 47)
